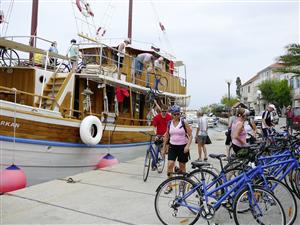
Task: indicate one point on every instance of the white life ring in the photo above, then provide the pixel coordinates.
(84, 8)
(91, 130)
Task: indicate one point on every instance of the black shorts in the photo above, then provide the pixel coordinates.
(228, 137)
(236, 148)
(177, 152)
(266, 132)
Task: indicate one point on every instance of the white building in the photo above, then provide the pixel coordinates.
(250, 94)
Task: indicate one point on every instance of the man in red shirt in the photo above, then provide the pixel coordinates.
(289, 119)
(160, 122)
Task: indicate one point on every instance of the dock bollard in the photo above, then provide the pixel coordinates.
(11, 179)
(107, 160)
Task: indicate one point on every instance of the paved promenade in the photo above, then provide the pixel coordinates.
(115, 195)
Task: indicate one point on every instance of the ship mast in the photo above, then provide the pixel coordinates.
(34, 22)
(130, 20)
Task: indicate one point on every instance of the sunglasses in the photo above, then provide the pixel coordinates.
(164, 111)
(176, 114)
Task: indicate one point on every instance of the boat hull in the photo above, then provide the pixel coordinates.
(45, 161)
(48, 147)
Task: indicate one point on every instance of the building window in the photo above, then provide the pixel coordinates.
(291, 81)
(298, 82)
(248, 89)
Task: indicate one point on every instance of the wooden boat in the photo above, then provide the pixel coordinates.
(55, 123)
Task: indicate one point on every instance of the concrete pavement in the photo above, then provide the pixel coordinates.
(114, 195)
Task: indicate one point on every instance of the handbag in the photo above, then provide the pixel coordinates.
(208, 141)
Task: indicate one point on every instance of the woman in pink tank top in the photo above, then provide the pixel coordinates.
(179, 136)
(238, 133)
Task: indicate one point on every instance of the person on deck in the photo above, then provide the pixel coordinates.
(141, 60)
(53, 49)
(73, 54)
(158, 64)
(121, 52)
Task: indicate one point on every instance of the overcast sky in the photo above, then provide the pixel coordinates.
(217, 40)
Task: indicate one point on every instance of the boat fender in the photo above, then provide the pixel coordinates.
(12, 178)
(91, 130)
(84, 8)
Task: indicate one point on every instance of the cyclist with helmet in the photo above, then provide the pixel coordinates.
(73, 54)
(179, 136)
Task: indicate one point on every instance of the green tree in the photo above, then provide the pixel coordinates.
(291, 60)
(205, 109)
(229, 102)
(276, 91)
(238, 84)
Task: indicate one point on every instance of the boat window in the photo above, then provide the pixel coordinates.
(110, 92)
(139, 105)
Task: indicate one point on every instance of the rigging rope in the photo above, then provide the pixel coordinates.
(85, 23)
(106, 20)
(6, 21)
(162, 28)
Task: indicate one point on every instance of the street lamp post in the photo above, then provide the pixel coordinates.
(258, 93)
(228, 84)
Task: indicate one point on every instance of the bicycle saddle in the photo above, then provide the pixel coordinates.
(217, 156)
(199, 164)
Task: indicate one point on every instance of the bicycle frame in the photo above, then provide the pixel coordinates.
(240, 181)
(153, 152)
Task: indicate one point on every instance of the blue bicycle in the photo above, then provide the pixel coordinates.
(272, 171)
(188, 201)
(160, 85)
(153, 158)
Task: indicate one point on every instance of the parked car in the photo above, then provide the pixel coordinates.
(212, 120)
(274, 118)
(296, 118)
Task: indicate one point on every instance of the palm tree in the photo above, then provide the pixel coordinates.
(291, 60)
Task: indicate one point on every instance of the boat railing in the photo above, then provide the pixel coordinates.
(106, 118)
(9, 94)
(106, 60)
(37, 47)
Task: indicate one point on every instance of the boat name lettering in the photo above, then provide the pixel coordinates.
(9, 124)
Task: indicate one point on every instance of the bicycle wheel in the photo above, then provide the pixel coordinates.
(162, 84)
(294, 181)
(171, 204)
(160, 161)
(150, 97)
(10, 57)
(209, 177)
(64, 68)
(147, 165)
(285, 197)
(262, 207)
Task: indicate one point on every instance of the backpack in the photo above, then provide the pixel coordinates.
(182, 126)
